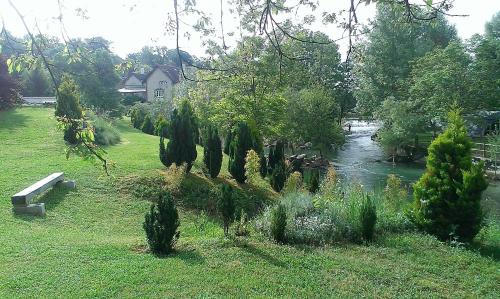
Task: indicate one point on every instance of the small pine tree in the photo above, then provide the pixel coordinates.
(212, 152)
(367, 218)
(148, 126)
(227, 207)
(182, 147)
(278, 224)
(278, 177)
(447, 198)
(252, 166)
(161, 224)
(263, 166)
(68, 107)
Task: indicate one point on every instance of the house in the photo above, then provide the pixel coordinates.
(159, 83)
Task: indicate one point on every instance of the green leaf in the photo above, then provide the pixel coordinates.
(429, 2)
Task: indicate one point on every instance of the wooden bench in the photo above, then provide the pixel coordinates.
(22, 200)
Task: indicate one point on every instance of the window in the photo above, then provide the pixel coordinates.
(159, 93)
(163, 83)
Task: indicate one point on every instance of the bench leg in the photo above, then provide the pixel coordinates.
(35, 209)
(67, 184)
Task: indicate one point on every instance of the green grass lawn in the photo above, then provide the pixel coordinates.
(91, 243)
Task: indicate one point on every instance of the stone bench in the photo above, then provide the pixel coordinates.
(22, 200)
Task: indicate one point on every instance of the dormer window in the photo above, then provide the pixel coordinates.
(159, 92)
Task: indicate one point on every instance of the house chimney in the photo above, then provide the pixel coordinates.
(142, 71)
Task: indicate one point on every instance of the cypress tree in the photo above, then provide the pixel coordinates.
(278, 176)
(181, 147)
(161, 225)
(447, 198)
(240, 145)
(276, 155)
(227, 142)
(212, 152)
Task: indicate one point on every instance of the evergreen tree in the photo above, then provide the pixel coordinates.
(447, 197)
(212, 152)
(181, 147)
(9, 88)
(68, 106)
(227, 142)
(148, 126)
(244, 139)
(276, 155)
(226, 206)
(161, 126)
(278, 176)
(161, 224)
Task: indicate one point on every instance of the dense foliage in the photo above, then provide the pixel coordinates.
(9, 87)
(448, 195)
(161, 225)
(212, 152)
(68, 107)
(181, 147)
(278, 223)
(243, 140)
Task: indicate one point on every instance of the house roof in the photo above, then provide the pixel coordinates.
(139, 76)
(170, 71)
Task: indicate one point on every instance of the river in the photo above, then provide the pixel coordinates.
(362, 160)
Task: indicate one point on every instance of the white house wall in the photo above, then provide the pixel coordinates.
(153, 82)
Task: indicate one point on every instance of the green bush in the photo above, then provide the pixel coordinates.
(161, 126)
(278, 224)
(447, 198)
(161, 224)
(226, 206)
(104, 132)
(278, 176)
(368, 218)
(137, 115)
(212, 152)
(148, 126)
(276, 155)
(313, 181)
(181, 148)
(9, 87)
(131, 100)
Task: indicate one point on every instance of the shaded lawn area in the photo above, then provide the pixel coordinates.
(91, 243)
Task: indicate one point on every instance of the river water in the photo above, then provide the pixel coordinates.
(362, 160)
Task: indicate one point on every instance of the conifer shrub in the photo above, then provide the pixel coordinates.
(278, 223)
(227, 142)
(240, 145)
(227, 206)
(367, 218)
(252, 166)
(278, 176)
(276, 155)
(161, 225)
(447, 198)
(148, 125)
(181, 147)
(161, 126)
(212, 152)
(68, 107)
(263, 166)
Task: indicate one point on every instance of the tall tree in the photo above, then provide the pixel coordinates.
(383, 64)
(9, 87)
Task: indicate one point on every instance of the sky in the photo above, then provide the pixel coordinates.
(132, 24)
